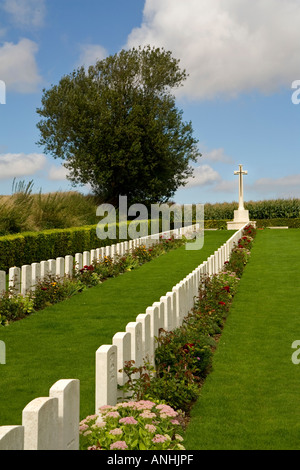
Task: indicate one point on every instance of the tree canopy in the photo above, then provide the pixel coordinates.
(117, 128)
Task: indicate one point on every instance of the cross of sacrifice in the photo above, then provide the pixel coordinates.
(240, 172)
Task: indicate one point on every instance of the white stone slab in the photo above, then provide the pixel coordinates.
(106, 376)
(154, 325)
(26, 281)
(86, 258)
(68, 394)
(122, 340)
(145, 320)
(52, 267)
(14, 276)
(40, 420)
(60, 267)
(135, 330)
(69, 265)
(2, 282)
(35, 274)
(44, 269)
(11, 438)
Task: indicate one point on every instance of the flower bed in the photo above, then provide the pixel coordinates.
(133, 425)
(53, 289)
(183, 359)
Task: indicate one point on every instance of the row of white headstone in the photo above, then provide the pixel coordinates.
(23, 279)
(52, 423)
(138, 342)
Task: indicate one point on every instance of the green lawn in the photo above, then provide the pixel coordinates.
(60, 342)
(251, 398)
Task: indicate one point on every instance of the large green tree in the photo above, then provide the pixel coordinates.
(117, 127)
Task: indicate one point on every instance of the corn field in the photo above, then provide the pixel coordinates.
(24, 211)
(267, 209)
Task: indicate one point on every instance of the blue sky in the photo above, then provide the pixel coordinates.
(241, 56)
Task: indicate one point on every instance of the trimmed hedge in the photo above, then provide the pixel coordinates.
(260, 223)
(33, 247)
(290, 223)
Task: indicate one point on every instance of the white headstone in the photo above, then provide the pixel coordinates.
(106, 376)
(144, 319)
(52, 267)
(154, 326)
(135, 330)
(68, 395)
(35, 274)
(123, 342)
(2, 282)
(44, 269)
(60, 267)
(14, 276)
(40, 420)
(11, 438)
(69, 265)
(26, 279)
(86, 258)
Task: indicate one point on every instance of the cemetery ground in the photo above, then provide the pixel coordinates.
(250, 400)
(60, 341)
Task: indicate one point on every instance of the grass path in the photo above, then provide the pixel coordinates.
(250, 400)
(61, 341)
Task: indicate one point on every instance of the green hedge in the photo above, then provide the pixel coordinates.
(260, 223)
(33, 247)
(290, 223)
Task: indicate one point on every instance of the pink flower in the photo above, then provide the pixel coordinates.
(116, 431)
(91, 417)
(120, 445)
(83, 427)
(150, 428)
(144, 405)
(128, 420)
(129, 404)
(105, 408)
(113, 414)
(148, 414)
(158, 438)
(166, 411)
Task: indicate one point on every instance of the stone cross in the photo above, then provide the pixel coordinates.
(241, 190)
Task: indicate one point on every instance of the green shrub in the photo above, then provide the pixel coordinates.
(14, 307)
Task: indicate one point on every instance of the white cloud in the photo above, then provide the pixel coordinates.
(227, 187)
(26, 13)
(227, 46)
(90, 53)
(18, 68)
(58, 173)
(20, 164)
(217, 155)
(203, 175)
(283, 185)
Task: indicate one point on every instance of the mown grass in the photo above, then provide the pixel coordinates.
(61, 341)
(250, 400)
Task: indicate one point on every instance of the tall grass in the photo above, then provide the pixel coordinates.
(25, 211)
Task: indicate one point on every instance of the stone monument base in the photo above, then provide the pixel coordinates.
(241, 218)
